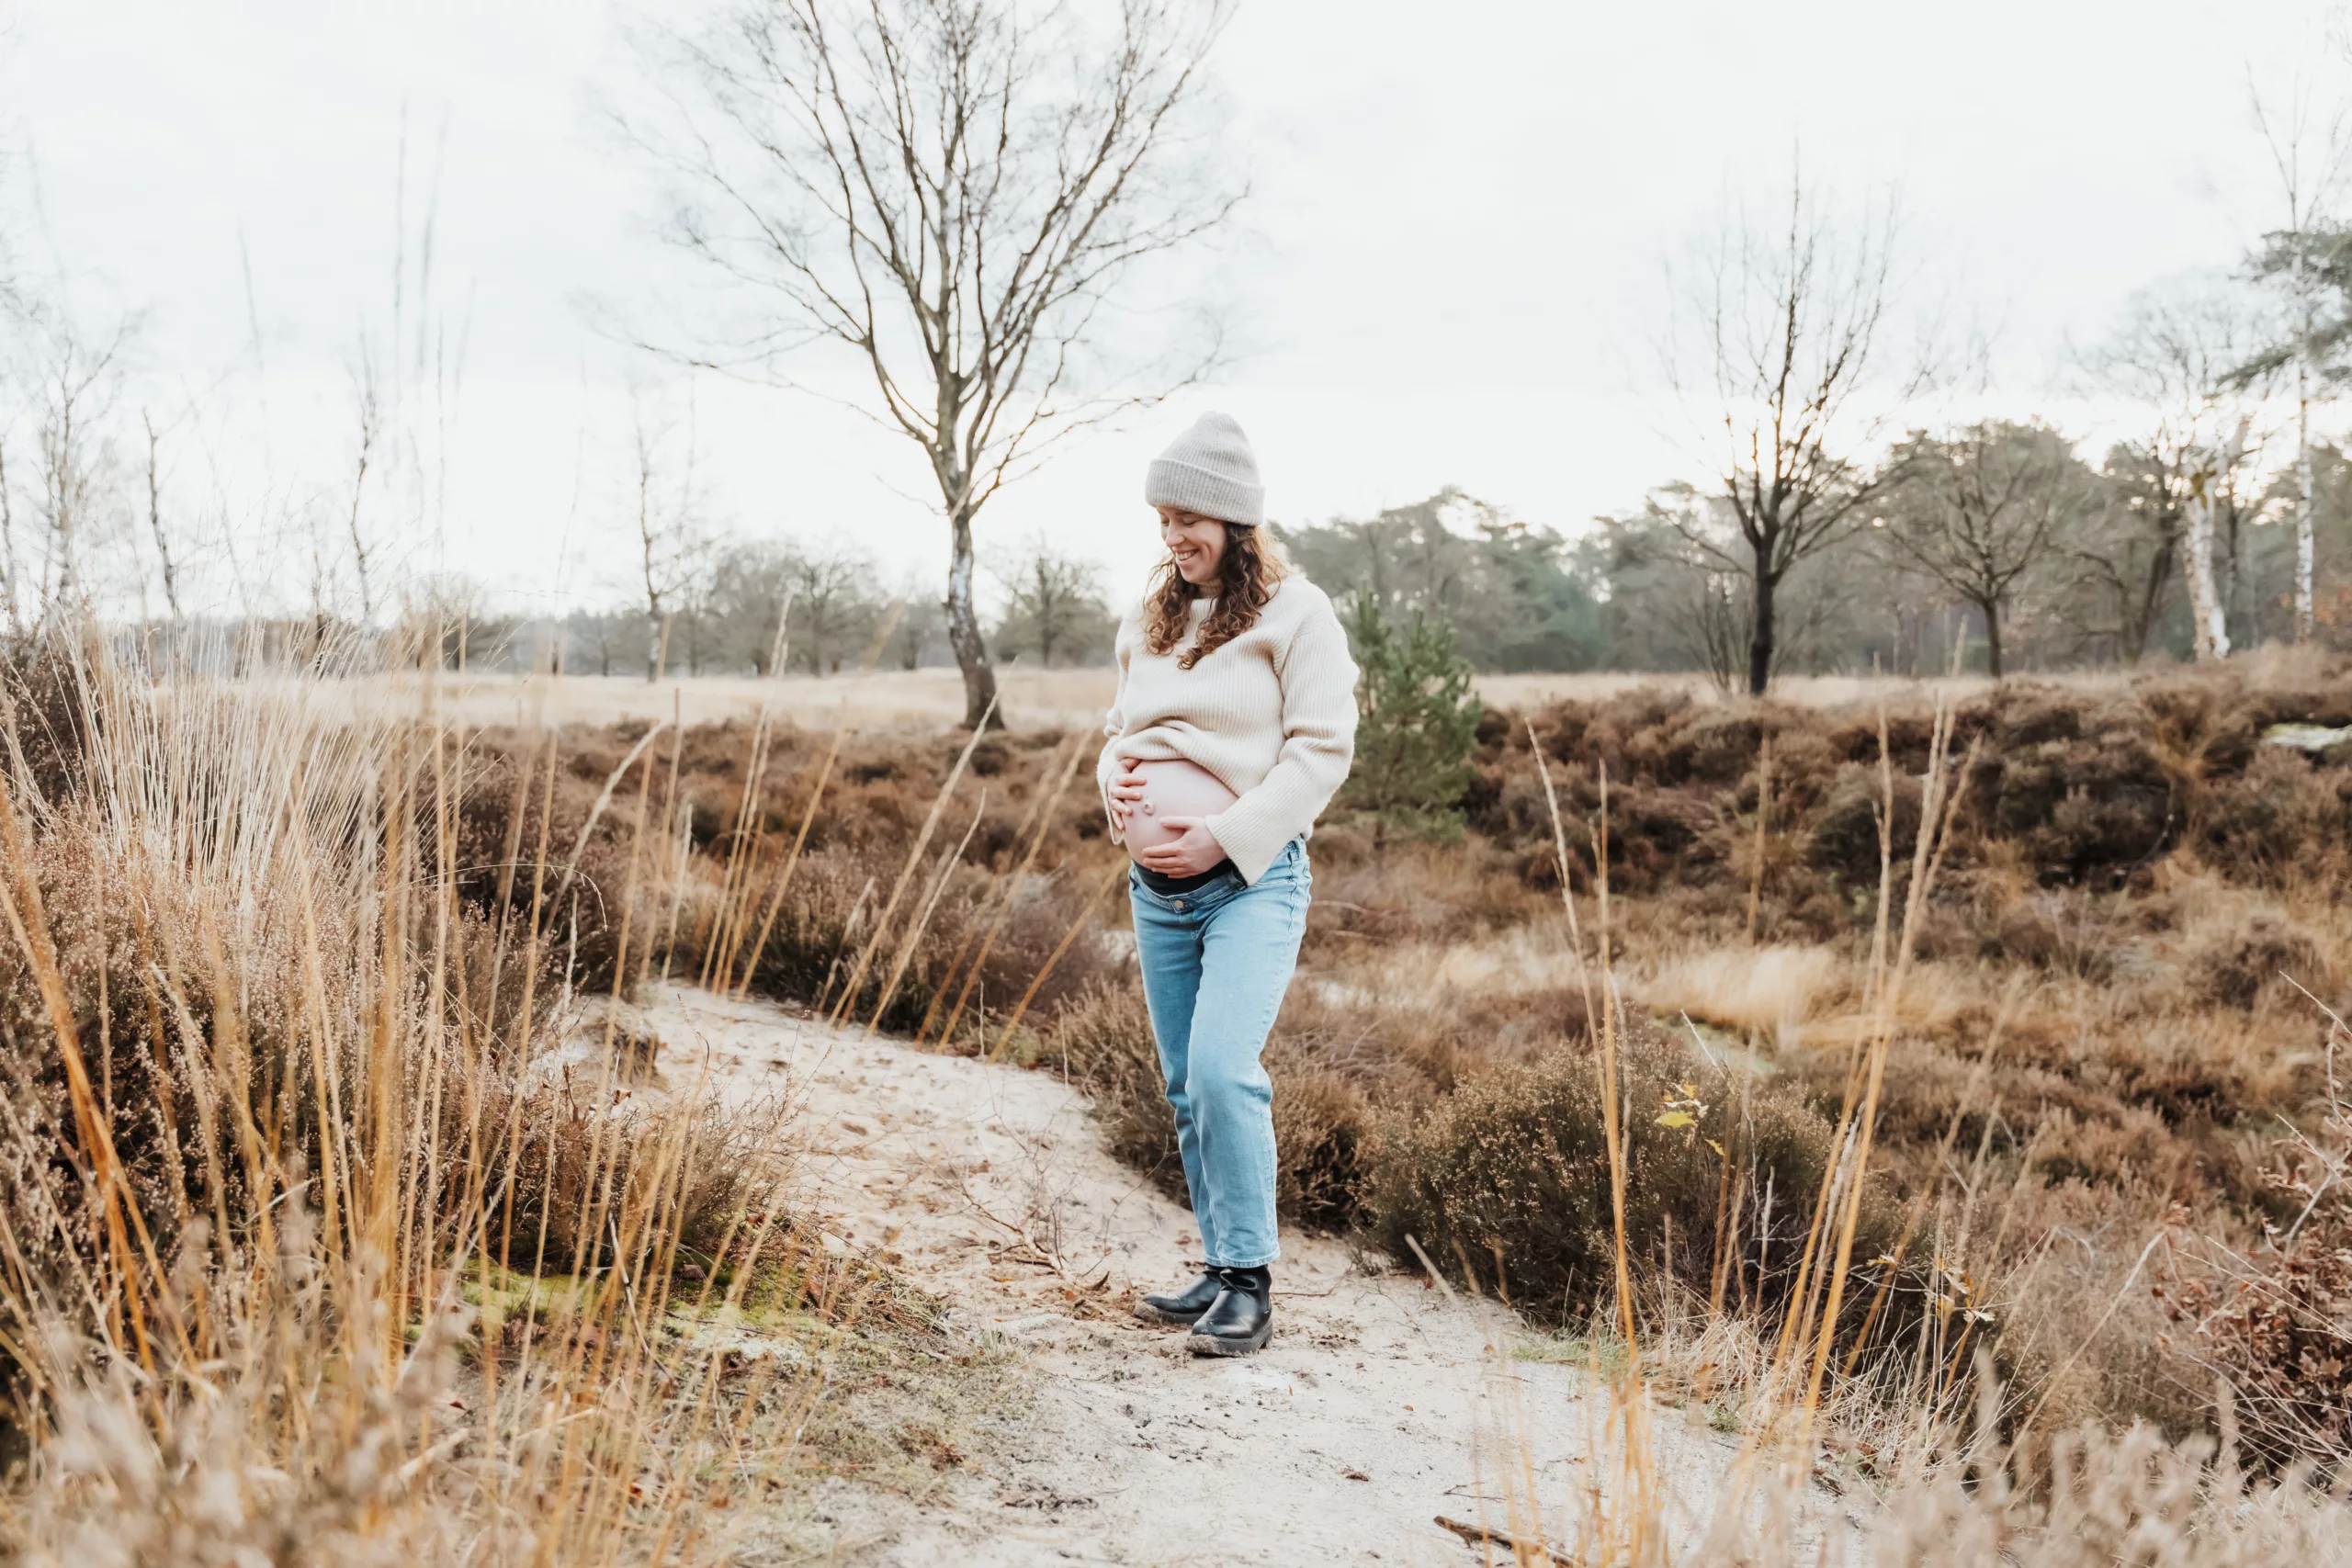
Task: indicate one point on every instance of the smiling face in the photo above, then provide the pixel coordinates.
(1195, 543)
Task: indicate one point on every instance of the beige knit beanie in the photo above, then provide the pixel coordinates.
(1209, 469)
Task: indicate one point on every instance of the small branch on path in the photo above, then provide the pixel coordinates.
(1524, 1552)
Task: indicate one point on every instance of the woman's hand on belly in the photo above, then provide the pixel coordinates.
(1127, 789)
(1193, 849)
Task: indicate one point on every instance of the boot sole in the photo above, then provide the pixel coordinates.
(1150, 1314)
(1217, 1345)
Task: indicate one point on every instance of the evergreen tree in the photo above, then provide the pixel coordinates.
(1418, 721)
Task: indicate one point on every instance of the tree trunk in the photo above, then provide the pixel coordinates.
(964, 624)
(2305, 606)
(1760, 635)
(2138, 612)
(2208, 614)
(2306, 553)
(1991, 609)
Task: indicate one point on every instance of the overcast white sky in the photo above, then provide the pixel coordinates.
(1449, 271)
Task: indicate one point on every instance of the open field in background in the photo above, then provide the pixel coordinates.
(914, 700)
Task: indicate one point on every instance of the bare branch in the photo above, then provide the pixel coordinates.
(951, 192)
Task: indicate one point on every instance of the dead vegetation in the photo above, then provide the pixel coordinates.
(2101, 1031)
(330, 1227)
(333, 1108)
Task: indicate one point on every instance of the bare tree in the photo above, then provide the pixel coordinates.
(1789, 317)
(670, 547)
(1979, 510)
(1678, 594)
(955, 192)
(2185, 355)
(1054, 604)
(2211, 491)
(922, 631)
(748, 588)
(2308, 260)
(155, 515)
(2118, 572)
(603, 632)
(451, 622)
(367, 408)
(836, 603)
(77, 376)
(8, 579)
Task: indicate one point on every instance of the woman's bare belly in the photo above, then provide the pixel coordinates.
(1174, 788)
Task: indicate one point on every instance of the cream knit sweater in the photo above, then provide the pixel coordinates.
(1272, 714)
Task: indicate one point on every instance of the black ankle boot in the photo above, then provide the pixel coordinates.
(1241, 1319)
(1184, 1306)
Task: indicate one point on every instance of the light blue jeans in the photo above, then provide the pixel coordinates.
(1215, 963)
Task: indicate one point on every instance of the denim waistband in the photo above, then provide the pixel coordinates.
(1221, 886)
(1172, 885)
(1223, 883)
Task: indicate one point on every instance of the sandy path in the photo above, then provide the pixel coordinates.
(1339, 1444)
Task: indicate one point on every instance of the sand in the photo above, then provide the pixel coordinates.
(1380, 1405)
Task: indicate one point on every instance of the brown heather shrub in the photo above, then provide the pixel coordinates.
(2264, 956)
(814, 948)
(2089, 786)
(1515, 1159)
(873, 803)
(2277, 1323)
(171, 999)
(2272, 1315)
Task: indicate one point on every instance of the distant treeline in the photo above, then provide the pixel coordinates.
(2098, 582)
(2102, 585)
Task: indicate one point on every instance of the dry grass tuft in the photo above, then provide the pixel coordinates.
(321, 1240)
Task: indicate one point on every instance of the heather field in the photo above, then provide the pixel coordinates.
(1967, 1058)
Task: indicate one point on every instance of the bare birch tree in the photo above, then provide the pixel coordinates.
(2211, 484)
(368, 409)
(669, 547)
(2309, 262)
(957, 195)
(2186, 357)
(155, 513)
(1782, 356)
(2309, 176)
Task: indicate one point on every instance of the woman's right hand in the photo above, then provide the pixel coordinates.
(1126, 790)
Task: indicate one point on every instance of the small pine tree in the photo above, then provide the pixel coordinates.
(1418, 720)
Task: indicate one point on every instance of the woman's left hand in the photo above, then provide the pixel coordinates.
(1195, 851)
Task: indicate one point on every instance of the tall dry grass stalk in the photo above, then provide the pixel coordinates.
(881, 928)
(1624, 1518)
(316, 1248)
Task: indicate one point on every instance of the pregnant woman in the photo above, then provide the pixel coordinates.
(1234, 724)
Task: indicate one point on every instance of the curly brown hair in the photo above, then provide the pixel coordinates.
(1246, 576)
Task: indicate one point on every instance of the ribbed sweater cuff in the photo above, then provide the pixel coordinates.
(1106, 769)
(1254, 831)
